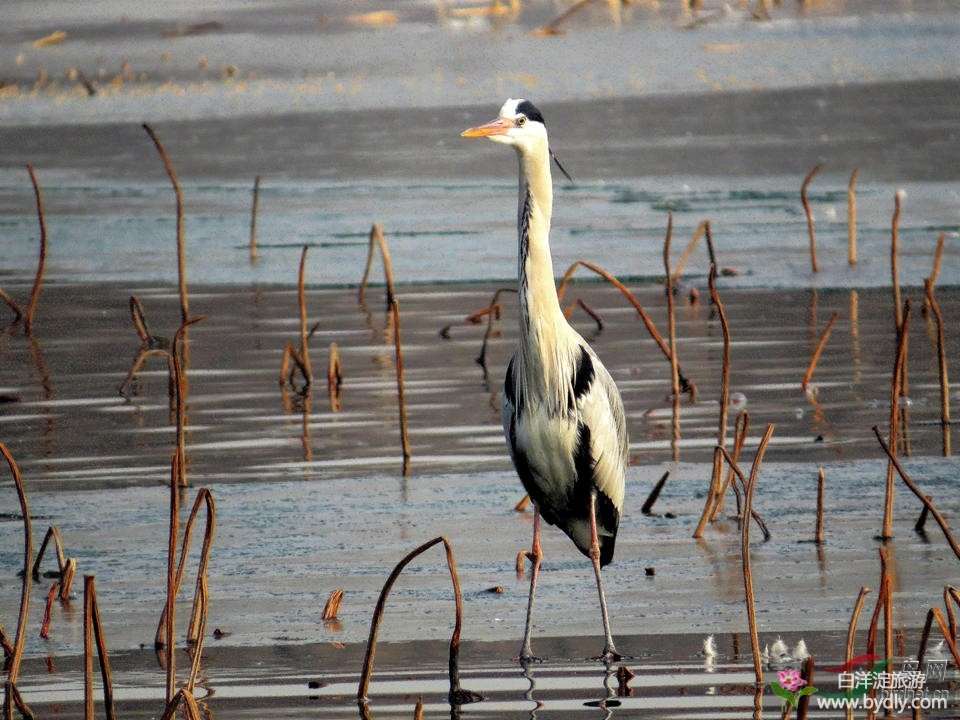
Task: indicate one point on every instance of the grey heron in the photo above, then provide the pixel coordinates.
(562, 413)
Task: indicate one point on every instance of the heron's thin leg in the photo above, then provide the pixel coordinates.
(609, 650)
(536, 555)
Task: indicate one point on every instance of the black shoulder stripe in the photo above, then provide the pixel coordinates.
(583, 375)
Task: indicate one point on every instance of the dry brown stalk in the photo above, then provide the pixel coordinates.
(17, 312)
(418, 709)
(935, 614)
(806, 209)
(335, 378)
(594, 315)
(139, 318)
(854, 619)
(749, 487)
(882, 598)
(48, 611)
(491, 318)
(818, 537)
(202, 603)
(803, 707)
(93, 635)
(253, 219)
(724, 377)
(42, 263)
(743, 481)
(457, 694)
(950, 596)
(376, 238)
(896, 392)
(685, 384)
(688, 250)
(816, 353)
(928, 503)
(204, 499)
(66, 566)
(13, 698)
(852, 218)
(181, 250)
(894, 254)
(302, 302)
(185, 698)
(942, 360)
(654, 494)
(13, 670)
(401, 394)
(332, 607)
(713, 499)
(938, 257)
(672, 334)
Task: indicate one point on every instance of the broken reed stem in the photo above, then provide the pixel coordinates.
(202, 602)
(371, 649)
(743, 481)
(17, 654)
(593, 314)
(253, 218)
(654, 494)
(884, 605)
(401, 395)
(66, 566)
(376, 238)
(803, 707)
(818, 537)
(740, 429)
(852, 218)
(816, 353)
(493, 314)
(725, 368)
(672, 334)
(938, 258)
(685, 383)
(42, 263)
(181, 250)
(185, 698)
(806, 209)
(302, 302)
(942, 360)
(749, 487)
(895, 394)
(688, 250)
(332, 607)
(48, 611)
(139, 318)
(93, 635)
(927, 502)
(894, 253)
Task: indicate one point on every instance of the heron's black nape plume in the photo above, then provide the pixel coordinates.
(562, 169)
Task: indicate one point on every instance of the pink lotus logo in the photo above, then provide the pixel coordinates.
(790, 686)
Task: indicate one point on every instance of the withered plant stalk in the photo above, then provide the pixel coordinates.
(181, 249)
(854, 620)
(42, 263)
(13, 670)
(377, 239)
(93, 636)
(935, 614)
(806, 209)
(894, 258)
(820, 482)
(749, 487)
(852, 218)
(724, 380)
(654, 494)
(253, 218)
(401, 394)
(685, 384)
(672, 334)
(925, 499)
(817, 352)
(942, 360)
(896, 391)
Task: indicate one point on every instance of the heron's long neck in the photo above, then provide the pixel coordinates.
(541, 319)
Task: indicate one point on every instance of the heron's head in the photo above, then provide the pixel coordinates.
(519, 124)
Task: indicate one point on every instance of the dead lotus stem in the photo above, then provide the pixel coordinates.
(371, 649)
(594, 315)
(654, 494)
(806, 209)
(253, 218)
(42, 263)
(894, 257)
(938, 257)
(205, 500)
(928, 503)
(196, 651)
(685, 383)
(817, 352)
(743, 481)
(332, 607)
(181, 250)
(950, 596)
(93, 636)
(183, 698)
(139, 318)
(688, 250)
(854, 620)
(13, 698)
(65, 566)
(488, 333)
(818, 536)
(401, 394)
(376, 238)
(942, 360)
(672, 334)
(896, 391)
(935, 614)
(882, 597)
(749, 487)
(806, 672)
(852, 218)
(712, 500)
(15, 657)
(725, 367)
(48, 611)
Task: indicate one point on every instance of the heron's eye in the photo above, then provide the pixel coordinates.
(521, 121)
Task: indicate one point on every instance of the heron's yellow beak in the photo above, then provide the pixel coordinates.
(499, 126)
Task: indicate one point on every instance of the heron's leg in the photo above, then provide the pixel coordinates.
(536, 555)
(609, 650)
